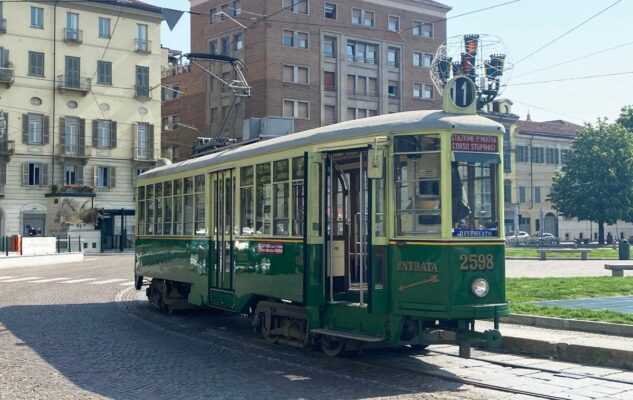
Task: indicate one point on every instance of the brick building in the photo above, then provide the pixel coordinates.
(319, 62)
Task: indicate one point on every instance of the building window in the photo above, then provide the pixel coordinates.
(393, 57)
(507, 192)
(538, 155)
(361, 52)
(422, 29)
(522, 153)
(238, 41)
(362, 85)
(329, 47)
(563, 155)
(226, 48)
(34, 174)
(422, 59)
(330, 10)
(104, 177)
(362, 17)
(295, 74)
(36, 63)
(72, 27)
(422, 91)
(237, 8)
(212, 16)
(71, 175)
(296, 6)
(329, 81)
(144, 141)
(37, 17)
(295, 39)
(142, 81)
(521, 194)
(35, 129)
(358, 113)
(104, 134)
(104, 27)
(104, 72)
(537, 194)
(394, 23)
(213, 47)
(142, 36)
(329, 115)
(392, 89)
(552, 156)
(297, 109)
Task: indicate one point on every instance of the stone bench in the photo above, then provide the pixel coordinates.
(583, 252)
(618, 270)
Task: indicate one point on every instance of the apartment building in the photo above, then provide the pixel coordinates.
(79, 90)
(533, 153)
(316, 61)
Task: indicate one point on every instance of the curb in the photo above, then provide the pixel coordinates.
(587, 355)
(603, 328)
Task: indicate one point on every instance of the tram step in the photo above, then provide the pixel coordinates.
(349, 335)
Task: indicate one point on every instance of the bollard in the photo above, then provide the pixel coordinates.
(79, 245)
(624, 250)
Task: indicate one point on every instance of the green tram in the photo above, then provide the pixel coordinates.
(375, 232)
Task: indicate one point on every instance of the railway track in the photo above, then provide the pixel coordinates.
(386, 360)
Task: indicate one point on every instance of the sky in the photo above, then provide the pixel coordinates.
(524, 26)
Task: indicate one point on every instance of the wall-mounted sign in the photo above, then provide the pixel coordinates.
(477, 143)
(270, 248)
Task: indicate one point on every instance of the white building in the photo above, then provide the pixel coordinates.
(80, 91)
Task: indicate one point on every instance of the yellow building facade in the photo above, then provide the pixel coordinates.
(80, 97)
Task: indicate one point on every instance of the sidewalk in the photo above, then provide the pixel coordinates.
(15, 260)
(568, 345)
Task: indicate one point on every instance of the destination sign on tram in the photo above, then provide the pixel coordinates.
(475, 143)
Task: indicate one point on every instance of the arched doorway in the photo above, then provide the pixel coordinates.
(550, 224)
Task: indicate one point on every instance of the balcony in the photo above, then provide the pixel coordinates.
(73, 83)
(74, 152)
(143, 46)
(143, 154)
(142, 93)
(3, 25)
(7, 149)
(73, 36)
(7, 76)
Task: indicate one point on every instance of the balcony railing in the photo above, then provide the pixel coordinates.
(362, 59)
(143, 46)
(7, 147)
(74, 83)
(3, 25)
(329, 54)
(174, 70)
(74, 151)
(366, 93)
(73, 35)
(6, 76)
(142, 93)
(143, 154)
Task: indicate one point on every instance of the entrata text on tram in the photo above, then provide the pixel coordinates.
(377, 232)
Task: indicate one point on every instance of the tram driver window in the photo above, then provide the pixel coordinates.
(474, 192)
(417, 182)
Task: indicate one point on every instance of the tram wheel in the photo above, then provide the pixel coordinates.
(268, 336)
(331, 346)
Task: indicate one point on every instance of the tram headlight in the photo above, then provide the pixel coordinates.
(480, 287)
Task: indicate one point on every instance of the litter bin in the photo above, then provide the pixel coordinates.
(624, 250)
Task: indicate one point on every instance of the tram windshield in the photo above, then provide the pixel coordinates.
(475, 195)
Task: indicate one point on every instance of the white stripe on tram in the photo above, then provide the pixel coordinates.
(108, 281)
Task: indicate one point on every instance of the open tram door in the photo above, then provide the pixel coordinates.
(222, 269)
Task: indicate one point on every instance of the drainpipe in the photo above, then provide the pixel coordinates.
(52, 122)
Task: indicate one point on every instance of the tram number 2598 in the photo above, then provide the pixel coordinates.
(474, 262)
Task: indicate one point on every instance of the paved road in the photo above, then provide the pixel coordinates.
(81, 331)
(558, 268)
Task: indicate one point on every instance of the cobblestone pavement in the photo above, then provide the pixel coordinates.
(87, 335)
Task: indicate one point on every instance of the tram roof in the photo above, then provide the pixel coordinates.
(408, 121)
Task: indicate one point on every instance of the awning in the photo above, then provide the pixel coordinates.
(476, 158)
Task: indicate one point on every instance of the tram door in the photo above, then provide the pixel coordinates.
(223, 185)
(347, 201)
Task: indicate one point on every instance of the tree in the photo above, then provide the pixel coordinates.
(596, 180)
(626, 118)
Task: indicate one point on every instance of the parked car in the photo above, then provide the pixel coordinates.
(521, 238)
(549, 239)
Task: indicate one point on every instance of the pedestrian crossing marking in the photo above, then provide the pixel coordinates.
(80, 280)
(6, 277)
(21, 279)
(128, 283)
(105, 282)
(49, 280)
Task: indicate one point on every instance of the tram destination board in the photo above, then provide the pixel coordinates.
(475, 143)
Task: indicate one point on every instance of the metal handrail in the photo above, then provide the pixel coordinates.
(6, 74)
(142, 92)
(7, 146)
(73, 35)
(67, 82)
(143, 45)
(3, 25)
(143, 153)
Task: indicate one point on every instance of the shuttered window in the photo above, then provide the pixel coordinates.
(104, 177)
(35, 129)
(34, 174)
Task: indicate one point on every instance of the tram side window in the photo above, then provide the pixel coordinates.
(201, 226)
(379, 224)
(263, 199)
(177, 199)
(140, 198)
(281, 194)
(247, 226)
(188, 205)
(298, 212)
(417, 183)
(474, 198)
(149, 205)
(158, 210)
(168, 208)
